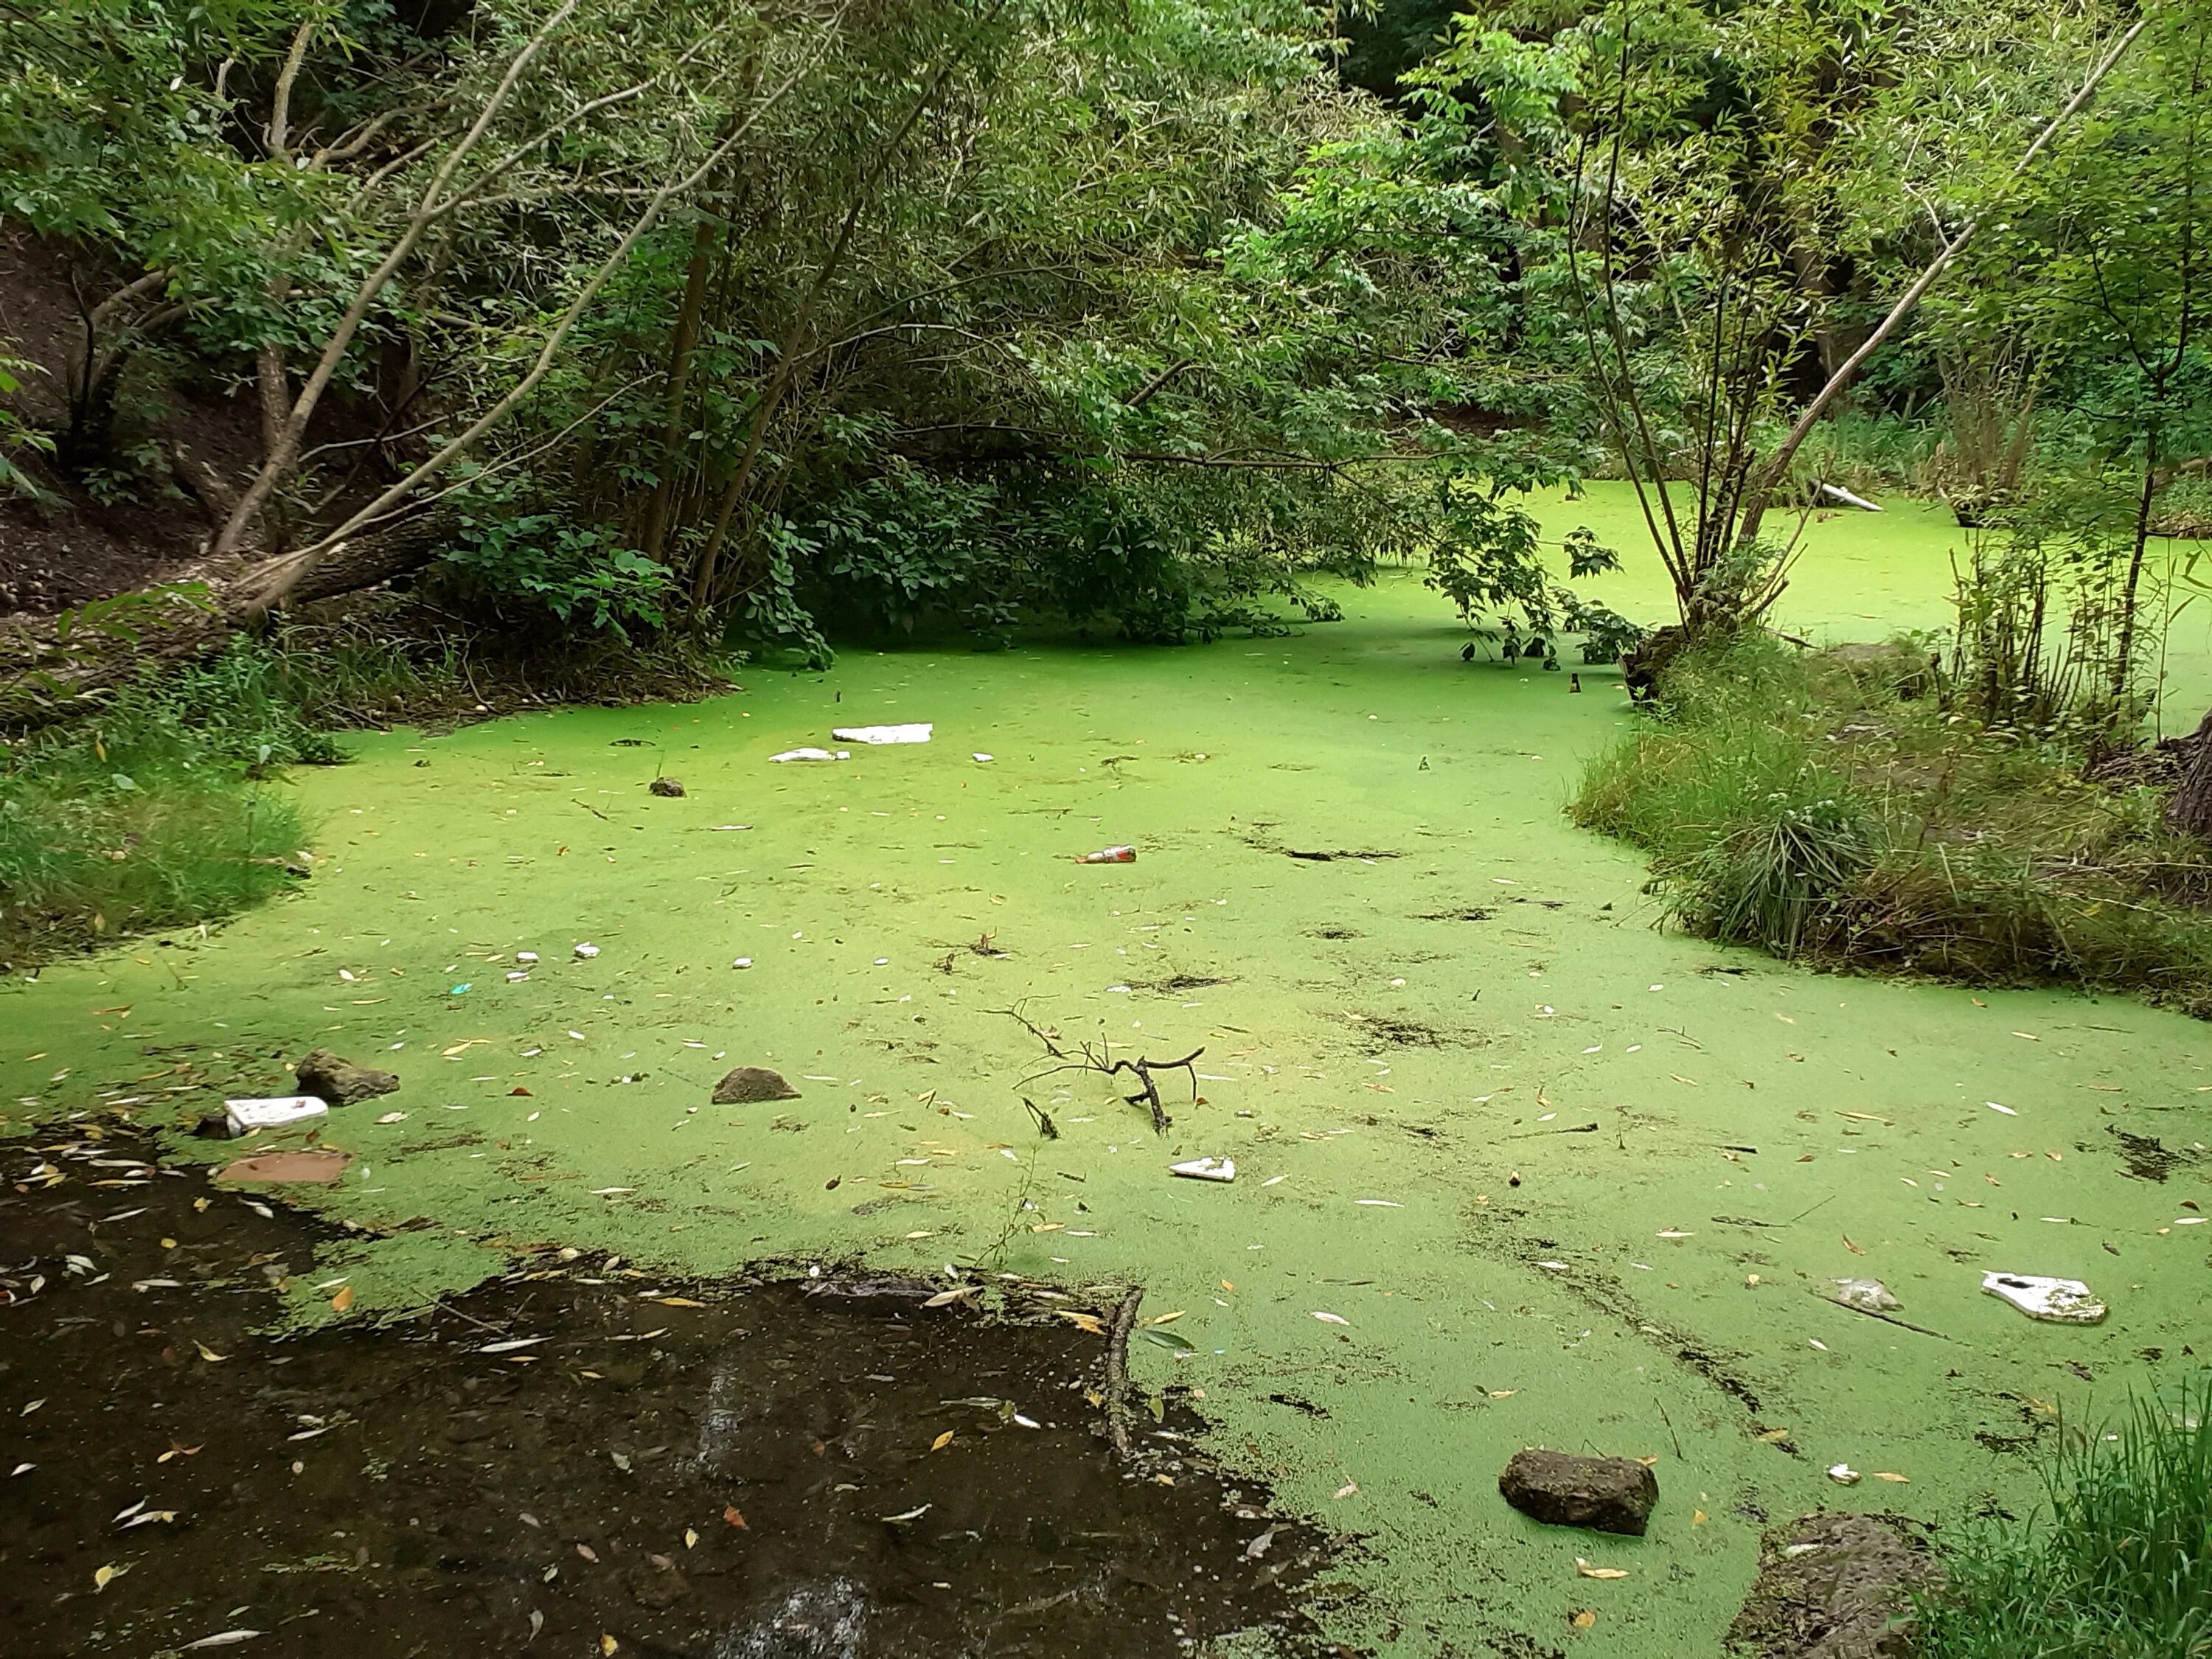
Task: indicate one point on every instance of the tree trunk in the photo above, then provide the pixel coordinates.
(679, 384)
(2190, 811)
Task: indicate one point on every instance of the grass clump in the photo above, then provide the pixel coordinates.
(162, 809)
(1831, 807)
(2119, 1568)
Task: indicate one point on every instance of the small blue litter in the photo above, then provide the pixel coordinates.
(457, 990)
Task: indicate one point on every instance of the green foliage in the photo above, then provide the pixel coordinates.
(2119, 1567)
(539, 567)
(159, 811)
(1833, 808)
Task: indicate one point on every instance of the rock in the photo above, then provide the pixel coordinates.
(668, 787)
(748, 1085)
(340, 1082)
(1605, 1494)
(658, 1588)
(1835, 1587)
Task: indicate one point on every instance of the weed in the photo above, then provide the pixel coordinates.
(1804, 803)
(2119, 1568)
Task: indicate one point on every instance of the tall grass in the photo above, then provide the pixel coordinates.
(1798, 802)
(164, 808)
(2119, 1568)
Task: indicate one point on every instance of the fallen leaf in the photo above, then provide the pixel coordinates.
(104, 1577)
(690, 1539)
(587, 1552)
(945, 1296)
(1331, 1319)
(679, 1302)
(730, 1514)
(222, 1638)
(1852, 1247)
(942, 1441)
(209, 1354)
(1584, 1570)
(343, 1300)
(1082, 1321)
(609, 1645)
(1167, 1318)
(1347, 1489)
(393, 1117)
(1583, 1619)
(1895, 1480)
(1699, 1518)
(1774, 1436)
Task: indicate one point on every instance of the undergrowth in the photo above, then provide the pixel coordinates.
(161, 809)
(2119, 1568)
(1825, 807)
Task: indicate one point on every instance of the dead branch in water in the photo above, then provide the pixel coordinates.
(1098, 1057)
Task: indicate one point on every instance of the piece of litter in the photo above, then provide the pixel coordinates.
(1868, 1295)
(1330, 1318)
(243, 1116)
(1206, 1169)
(983, 760)
(1995, 1107)
(282, 1168)
(913, 731)
(588, 951)
(1842, 1474)
(807, 754)
(393, 1117)
(1584, 1569)
(525, 957)
(1109, 855)
(2061, 1301)
(743, 961)
(1380, 1203)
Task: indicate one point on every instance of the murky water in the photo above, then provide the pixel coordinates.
(1513, 1166)
(576, 1453)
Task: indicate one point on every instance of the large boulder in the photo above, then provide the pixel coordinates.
(748, 1085)
(340, 1082)
(1605, 1494)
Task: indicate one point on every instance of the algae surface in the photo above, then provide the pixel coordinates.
(1513, 1167)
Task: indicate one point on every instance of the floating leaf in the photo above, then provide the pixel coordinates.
(1895, 1480)
(1168, 1340)
(608, 1646)
(1082, 1321)
(943, 1298)
(208, 1354)
(222, 1638)
(1583, 1619)
(343, 1300)
(941, 1442)
(690, 1539)
(730, 1515)
(102, 1578)
(1167, 1318)
(1330, 1318)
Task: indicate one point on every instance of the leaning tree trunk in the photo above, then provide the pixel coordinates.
(2190, 811)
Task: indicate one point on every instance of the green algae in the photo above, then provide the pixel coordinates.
(1404, 1044)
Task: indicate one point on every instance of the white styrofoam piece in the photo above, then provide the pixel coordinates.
(807, 755)
(244, 1116)
(2062, 1301)
(1206, 1169)
(916, 731)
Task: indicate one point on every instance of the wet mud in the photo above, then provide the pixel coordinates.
(577, 1457)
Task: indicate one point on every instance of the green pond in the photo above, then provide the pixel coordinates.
(1513, 1165)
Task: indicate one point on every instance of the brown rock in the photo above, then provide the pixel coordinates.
(340, 1082)
(668, 787)
(1605, 1494)
(1836, 1587)
(748, 1085)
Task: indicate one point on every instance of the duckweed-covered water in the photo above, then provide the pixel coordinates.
(1513, 1165)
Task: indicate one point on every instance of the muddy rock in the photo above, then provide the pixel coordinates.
(340, 1082)
(1834, 1587)
(668, 787)
(747, 1085)
(1605, 1494)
